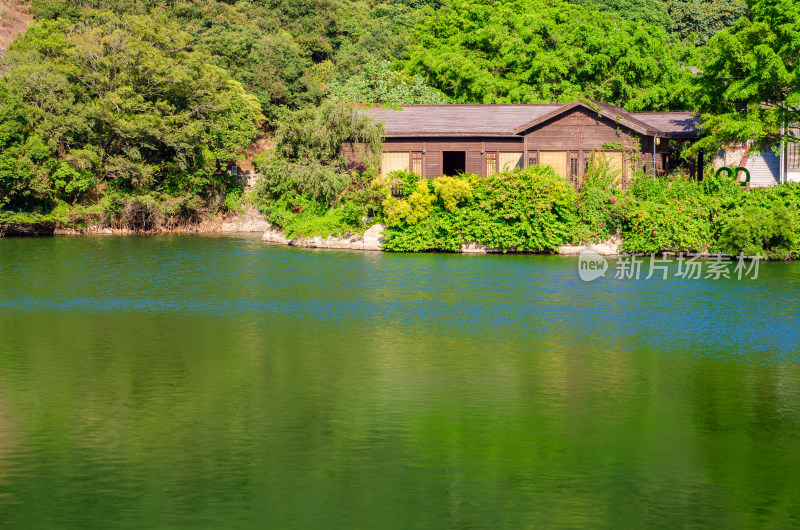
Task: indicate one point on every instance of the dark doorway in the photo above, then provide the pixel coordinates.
(454, 162)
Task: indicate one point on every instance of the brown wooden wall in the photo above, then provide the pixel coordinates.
(434, 147)
(583, 131)
(580, 131)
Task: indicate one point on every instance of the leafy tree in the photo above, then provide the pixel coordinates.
(116, 102)
(748, 89)
(543, 51)
(52, 9)
(648, 12)
(698, 20)
(377, 83)
(317, 155)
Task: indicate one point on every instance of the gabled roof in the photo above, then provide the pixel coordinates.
(613, 113)
(514, 120)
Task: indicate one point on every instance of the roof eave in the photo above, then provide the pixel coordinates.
(452, 135)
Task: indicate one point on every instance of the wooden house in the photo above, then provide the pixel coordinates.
(436, 140)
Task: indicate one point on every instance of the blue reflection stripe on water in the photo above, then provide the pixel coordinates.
(704, 328)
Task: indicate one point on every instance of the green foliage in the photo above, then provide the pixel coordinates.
(599, 204)
(130, 110)
(698, 20)
(412, 209)
(532, 209)
(749, 84)
(528, 51)
(755, 230)
(377, 83)
(334, 221)
(713, 215)
(314, 154)
(527, 210)
(311, 183)
(286, 52)
(452, 192)
(648, 12)
(669, 225)
(116, 102)
(235, 200)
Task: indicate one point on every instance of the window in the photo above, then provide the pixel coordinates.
(509, 161)
(416, 163)
(396, 188)
(558, 160)
(793, 157)
(533, 158)
(394, 162)
(491, 164)
(573, 165)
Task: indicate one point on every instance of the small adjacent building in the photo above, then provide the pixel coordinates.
(767, 168)
(436, 140)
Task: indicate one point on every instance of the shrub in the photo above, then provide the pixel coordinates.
(599, 204)
(525, 210)
(674, 225)
(452, 191)
(314, 154)
(412, 209)
(756, 230)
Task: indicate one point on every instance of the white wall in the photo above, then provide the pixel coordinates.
(764, 169)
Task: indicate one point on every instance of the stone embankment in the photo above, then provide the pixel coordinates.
(247, 221)
(606, 248)
(371, 240)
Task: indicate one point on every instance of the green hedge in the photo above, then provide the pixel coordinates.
(535, 210)
(524, 210)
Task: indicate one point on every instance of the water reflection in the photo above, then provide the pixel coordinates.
(218, 382)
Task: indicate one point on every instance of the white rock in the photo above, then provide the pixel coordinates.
(275, 236)
(473, 247)
(605, 248)
(373, 237)
(372, 240)
(250, 221)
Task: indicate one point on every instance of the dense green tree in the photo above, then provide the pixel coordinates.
(648, 12)
(377, 83)
(544, 51)
(116, 102)
(698, 20)
(314, 154)
(748, 88)
(286, 52)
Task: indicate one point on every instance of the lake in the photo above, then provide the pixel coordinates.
(218, 382)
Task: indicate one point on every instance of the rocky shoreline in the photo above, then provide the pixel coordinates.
(248, 221)
(251, 221)
(373, 238)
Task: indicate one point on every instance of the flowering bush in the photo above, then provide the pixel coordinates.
(714, 215)
(674, 225)
(599, 207)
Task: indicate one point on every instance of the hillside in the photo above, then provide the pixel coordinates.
(15, 18)
(141, 105)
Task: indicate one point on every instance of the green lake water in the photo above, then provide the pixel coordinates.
(218, 382)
